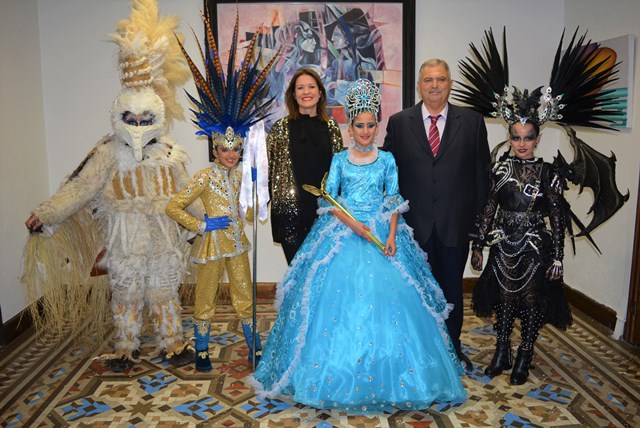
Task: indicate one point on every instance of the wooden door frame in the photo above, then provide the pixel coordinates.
(632, 324)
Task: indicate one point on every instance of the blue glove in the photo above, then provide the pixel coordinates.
(216, 223)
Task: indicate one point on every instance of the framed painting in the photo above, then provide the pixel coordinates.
(621, 50)
(342, 41)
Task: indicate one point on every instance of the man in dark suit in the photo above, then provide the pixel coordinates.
(444, 177)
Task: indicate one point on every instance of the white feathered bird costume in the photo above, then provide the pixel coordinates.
(115, 201)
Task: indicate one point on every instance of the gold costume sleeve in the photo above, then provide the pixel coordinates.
(176, 207)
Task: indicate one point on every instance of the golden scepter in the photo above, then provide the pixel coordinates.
(322, 193)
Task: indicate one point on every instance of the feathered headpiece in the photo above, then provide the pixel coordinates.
(150, 56)
(229, 105)
(574, 95)
(362, 95)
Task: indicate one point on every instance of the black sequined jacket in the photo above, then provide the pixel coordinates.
(284, 191)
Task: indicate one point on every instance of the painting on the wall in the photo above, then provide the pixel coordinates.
(341, 41)
(621, 50)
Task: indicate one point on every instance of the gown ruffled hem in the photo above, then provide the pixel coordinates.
(306, 272)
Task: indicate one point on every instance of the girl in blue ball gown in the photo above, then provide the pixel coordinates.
(361, 329)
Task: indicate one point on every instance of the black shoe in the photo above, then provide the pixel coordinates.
(520, 372)
(119, 364)
(466, 362)
(182, 359)
(501, 360)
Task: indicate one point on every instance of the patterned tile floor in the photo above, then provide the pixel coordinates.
(581, 378)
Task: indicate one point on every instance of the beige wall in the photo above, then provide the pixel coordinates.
(606, 278)
(23, 154)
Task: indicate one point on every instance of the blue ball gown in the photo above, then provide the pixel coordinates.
(357, 330)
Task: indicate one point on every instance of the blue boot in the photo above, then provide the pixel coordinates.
(201, 329)
(246, 329)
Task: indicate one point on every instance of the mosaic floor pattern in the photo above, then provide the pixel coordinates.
(581, 378)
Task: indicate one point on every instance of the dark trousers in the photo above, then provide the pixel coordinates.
(297, 233)
(447, 266)
(289, 251)
(291, 245)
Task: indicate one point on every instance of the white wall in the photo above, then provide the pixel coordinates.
(79, 82)
(606, 278)
(23, 162)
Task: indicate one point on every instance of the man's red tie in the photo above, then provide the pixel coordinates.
(434, 135)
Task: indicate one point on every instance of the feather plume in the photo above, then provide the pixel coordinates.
(250, 96)
(199, 80)
(574, 95)
(577, 77)
(145, 37)
(213, 55)
(237, 100)
(232, 50)
(488, 75)
(247, 57)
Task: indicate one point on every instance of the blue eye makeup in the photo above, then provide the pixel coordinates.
(529, 137)
(369, 125)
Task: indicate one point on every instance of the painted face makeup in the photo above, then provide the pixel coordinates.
(523, 140)
(364, 130)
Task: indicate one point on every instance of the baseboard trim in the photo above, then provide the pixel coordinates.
(267, 290)
(22, 321)
(599, 312)
(15, 326)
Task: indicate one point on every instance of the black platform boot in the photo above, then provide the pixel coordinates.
(520, 372)
(501, 361)
(531, 321)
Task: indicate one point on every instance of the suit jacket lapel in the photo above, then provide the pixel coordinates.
(451, 128)
(416, 125)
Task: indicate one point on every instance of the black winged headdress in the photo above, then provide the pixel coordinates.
(574, 97)
(229, 105)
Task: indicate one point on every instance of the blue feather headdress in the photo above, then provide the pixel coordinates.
(229, 105)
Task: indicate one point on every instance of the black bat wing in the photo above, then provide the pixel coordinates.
(592, 169)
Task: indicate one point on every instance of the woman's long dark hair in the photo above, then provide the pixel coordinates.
(290, 96)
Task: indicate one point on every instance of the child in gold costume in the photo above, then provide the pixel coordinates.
(223, 244)
(229, 106)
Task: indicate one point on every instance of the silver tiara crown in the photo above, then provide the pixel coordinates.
(362, 95)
